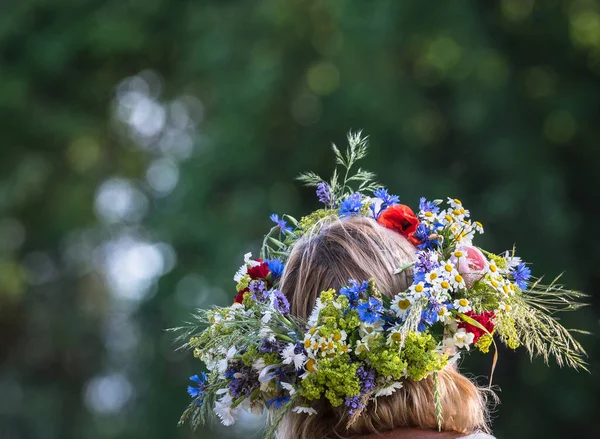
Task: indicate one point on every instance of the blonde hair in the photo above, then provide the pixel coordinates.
(359, 248)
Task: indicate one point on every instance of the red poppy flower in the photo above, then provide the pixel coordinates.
(400, 218)
(484, 319)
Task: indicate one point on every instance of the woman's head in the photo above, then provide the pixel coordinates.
(359, 248)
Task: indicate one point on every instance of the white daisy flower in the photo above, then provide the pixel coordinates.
(418, 290)
(395, 336)
(462, 305)
(289, 356)
(360, 347)
(478, 227)
(503, 307)
(457, 281)
(444, 315)
(492, 268)
(388, 390)
(370, 329)
(401, 305)
(454, 203)
(463, 339)
(308, 410)
(442, 287)
(431, 277)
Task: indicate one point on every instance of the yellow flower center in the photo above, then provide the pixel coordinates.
(403, 304)
(456, 212)
(495, 284)
(458, 254)
(506, 289)
(458, 278)
(344, 348)
(478, 224)
(433, 276)
(429, 214)
(313, 330)
(310, 365)
(457, 201)
(448, 268)
(463, 302)
(330, 346)
(445, 284)
(493, 268)
(307, 343)
(448, 218)
(419, 288)
(396, 336)
(337, 337)
(463, 211)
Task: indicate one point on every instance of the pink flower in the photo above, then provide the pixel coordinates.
(471, 265)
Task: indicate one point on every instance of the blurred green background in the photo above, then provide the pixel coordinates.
(144, 143)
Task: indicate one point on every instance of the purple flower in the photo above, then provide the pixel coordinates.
(257, 287)
(324, 193)
(370, 311)
(197, 391)
(426, 261)
(353, 403)
(278, 401)
(521, 275)
(269, 346)
(428, 206)
(244, 382)
(283, 227)
(280, 302)
(367, 379)
(351, 205)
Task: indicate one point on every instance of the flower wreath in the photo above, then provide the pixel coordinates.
(359, 345)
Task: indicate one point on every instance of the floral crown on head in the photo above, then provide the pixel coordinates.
(359, 345)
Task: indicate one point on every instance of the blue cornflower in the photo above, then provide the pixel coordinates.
(276, 267)
(429, 316)
(280, 302)
(324, 193)
(278, 401)
(197, 391)
(351, 205)
(521, 275)
(387, 199)
(354, 290)
(369, 312)
(428, 206)
(281, 224)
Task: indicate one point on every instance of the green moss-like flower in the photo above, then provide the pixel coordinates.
(250, 356)
(505, 328)
(335, 378)
(309, 221)
(420, 356)
(484, 343)
(243, 283)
